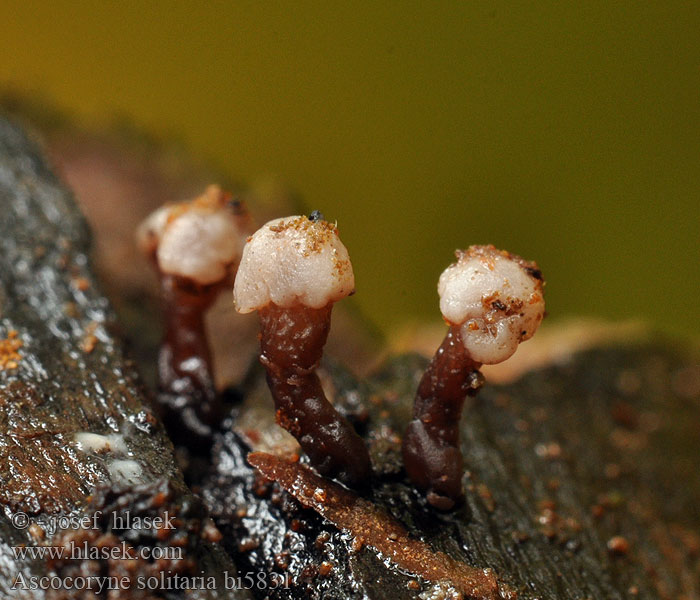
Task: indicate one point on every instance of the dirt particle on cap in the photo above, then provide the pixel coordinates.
(618, 545)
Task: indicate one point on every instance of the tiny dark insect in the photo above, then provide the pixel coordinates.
(536, 273)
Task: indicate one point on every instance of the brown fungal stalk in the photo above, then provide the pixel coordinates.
(492, 300)
(195, 246)
(291, 272)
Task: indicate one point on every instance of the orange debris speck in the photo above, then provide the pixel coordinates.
(9, 355)
(89, 340)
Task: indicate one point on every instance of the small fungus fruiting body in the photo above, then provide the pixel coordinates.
(492, 300)
(196, 246)
(291, 272)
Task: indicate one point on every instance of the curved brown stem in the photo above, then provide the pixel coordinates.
(188, 398)
(431, 451)
(292, 341)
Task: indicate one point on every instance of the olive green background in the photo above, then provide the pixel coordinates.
(566, 132)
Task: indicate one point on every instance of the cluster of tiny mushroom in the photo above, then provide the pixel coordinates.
(291, 271)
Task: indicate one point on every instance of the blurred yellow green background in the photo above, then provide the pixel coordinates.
(566, 132)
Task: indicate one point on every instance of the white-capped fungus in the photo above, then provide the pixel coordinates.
(196, 246)
(292, 272)
(492, 300)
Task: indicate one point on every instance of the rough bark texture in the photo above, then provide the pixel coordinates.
(72, 376)
(581, 482)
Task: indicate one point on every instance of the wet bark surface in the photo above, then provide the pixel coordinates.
(581, 480)
(69, 375)
(581, 483)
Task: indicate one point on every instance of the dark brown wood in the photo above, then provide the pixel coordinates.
(71, 376)
(581, 482)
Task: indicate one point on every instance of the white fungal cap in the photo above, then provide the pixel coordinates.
(496, 298)
(199, 239)
(152, 227)
(295, 260)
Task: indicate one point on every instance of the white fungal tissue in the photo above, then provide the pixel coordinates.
(125, 471)
(292, 261)
(121, 470)
(199, 239)
(496, 298)
(93, 442)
